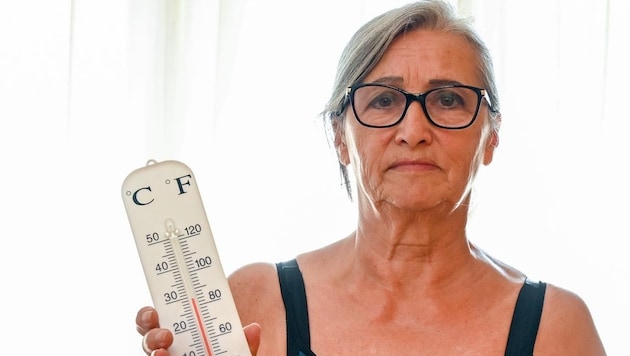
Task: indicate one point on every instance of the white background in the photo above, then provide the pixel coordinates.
(90, 90)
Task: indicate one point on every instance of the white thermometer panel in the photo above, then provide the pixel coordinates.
(181, 264)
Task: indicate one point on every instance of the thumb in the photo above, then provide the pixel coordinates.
(252, 334)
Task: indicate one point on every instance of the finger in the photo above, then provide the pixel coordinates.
(252, 334)
(145, 346)
(155, 340)
(146, 319)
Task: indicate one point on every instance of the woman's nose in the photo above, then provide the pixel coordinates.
(415, 127)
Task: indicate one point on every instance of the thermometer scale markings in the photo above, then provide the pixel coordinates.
(172, 233)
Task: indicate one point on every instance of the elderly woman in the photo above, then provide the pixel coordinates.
(414, 113)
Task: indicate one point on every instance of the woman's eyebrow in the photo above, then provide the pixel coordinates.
(389, 80)
(441, 82)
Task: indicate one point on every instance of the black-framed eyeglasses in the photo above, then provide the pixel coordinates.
(449, 107)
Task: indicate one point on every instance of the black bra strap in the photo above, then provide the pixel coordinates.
(526, 319)
(294, 297)
(521, 339)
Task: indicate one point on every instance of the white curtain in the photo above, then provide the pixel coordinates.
(90, 90)
(554, 202)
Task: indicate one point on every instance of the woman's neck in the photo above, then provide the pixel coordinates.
(398, 247)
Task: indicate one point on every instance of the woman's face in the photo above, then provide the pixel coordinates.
(416, 165)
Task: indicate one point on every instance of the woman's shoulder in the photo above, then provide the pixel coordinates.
(567, 326)
(260, 280)
(254, 280)
(256, 293)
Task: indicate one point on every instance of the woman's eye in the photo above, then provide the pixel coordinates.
(450, 99)
(385, 100)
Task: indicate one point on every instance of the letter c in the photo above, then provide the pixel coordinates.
(135, 196)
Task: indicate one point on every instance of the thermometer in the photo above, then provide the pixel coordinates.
(180, 261)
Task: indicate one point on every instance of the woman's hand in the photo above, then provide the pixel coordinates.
(156, 341)
(252, 334)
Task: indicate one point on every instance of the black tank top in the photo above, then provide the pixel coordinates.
(520, 342)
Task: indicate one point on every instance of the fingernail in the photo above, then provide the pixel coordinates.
(146, 317)
(161, 336)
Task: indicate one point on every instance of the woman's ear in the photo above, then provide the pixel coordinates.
(340, 142)
(493, 141)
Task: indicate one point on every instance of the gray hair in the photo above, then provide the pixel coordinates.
(366, 48)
